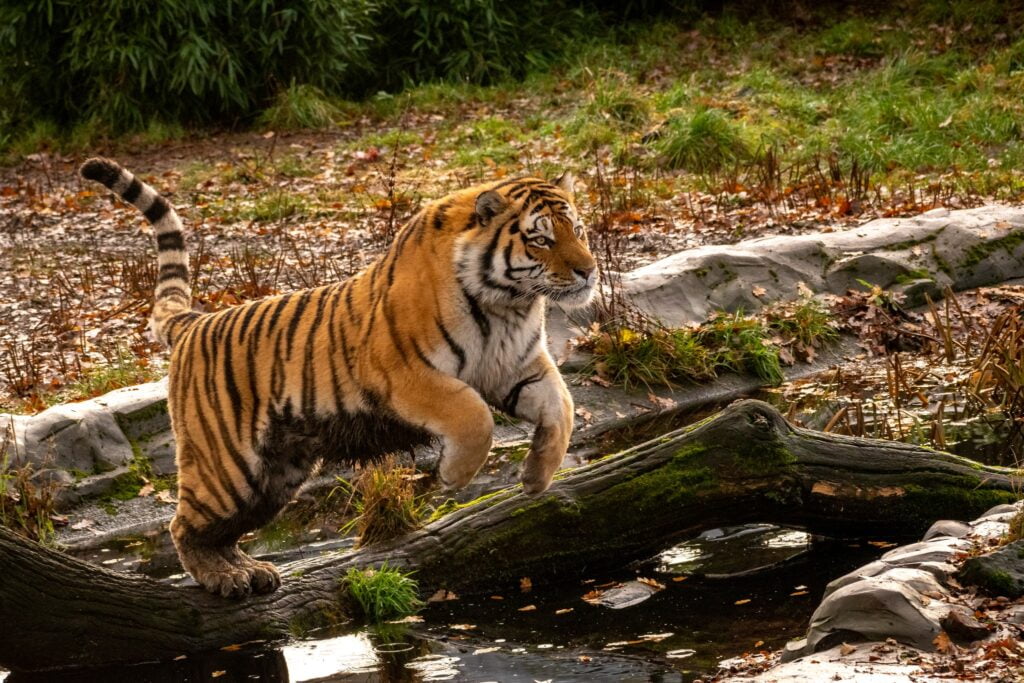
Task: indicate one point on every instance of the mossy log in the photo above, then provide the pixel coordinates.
(745, 463)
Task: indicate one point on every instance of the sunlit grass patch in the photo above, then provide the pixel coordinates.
(385, 502)
(646, 354)
(383, 593)
(300, 107)
(806, 320)
(613, 112)
(705, 140)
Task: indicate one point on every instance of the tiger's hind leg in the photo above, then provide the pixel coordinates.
(213, 514)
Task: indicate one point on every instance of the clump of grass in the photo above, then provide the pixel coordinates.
(383, 593)
(806, 321)
(27, 503)
(705, 141)
(740, 344)
(300, 107)
(607, 118)
(385, 502)
(646, 354)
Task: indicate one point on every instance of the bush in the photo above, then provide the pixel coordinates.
(123, 62)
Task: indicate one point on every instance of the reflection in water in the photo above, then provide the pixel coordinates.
(679, 632)
(734, 551)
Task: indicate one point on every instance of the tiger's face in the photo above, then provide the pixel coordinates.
(537, 244)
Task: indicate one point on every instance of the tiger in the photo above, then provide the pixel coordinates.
(448, 322)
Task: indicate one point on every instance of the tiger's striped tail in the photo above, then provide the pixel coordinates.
(172, 308)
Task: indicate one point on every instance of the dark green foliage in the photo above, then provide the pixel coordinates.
(123, 62)
(482, 41)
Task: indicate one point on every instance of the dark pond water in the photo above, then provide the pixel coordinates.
(730, 591)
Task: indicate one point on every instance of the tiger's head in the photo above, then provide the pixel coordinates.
(530, 243)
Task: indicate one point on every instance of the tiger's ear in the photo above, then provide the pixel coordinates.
(488, 205)
(565, 183)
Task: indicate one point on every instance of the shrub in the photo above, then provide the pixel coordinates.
(125, 62)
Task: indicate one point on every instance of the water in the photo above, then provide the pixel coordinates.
(769, 581)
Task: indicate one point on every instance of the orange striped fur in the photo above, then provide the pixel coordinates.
(418, 347)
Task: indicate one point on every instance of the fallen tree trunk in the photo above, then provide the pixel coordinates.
(746, 463)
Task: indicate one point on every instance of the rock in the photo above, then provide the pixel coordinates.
(924, 254)
(999, 573)
(936, 550)
(854, 663)
(876, 608)
(962, 627)
(946, 527)
(1000, 510)
(77, 437)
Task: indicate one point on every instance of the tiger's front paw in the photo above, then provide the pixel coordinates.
(544, 459)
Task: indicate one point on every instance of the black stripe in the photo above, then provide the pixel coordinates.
(132, 192)
(512, 399)
(438, 220)
(170, 240)
(479, 317)
(203, 509)
(277, 312)
(293, 324)
(157, 210)
(456, 349)
(172, 291)
(422, 356)
(529, 347)
(172, 271)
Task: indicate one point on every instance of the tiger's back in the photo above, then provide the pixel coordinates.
(446, 323)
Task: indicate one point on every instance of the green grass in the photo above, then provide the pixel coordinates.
(301, 107)
(806, 320)
(383, 593)
(648, 355)
(706, 140)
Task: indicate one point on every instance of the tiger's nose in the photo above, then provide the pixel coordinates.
(584, 273)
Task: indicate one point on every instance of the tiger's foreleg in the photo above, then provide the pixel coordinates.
(540, 396)
(456, 413)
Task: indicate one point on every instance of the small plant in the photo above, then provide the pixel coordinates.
(26, 502)
(646, 354)
(740, 344)
(386, 503)
(383, 593)
(704, 142)
(300, 107)
(806, 321)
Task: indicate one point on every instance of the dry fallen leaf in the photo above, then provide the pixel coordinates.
(525, 584)
(528, 608)
(742, 602)
(564, 610)
(463, 627)
(442, 595)
(846, 649)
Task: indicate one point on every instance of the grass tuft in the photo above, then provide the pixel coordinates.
(300, 107)
(383, 593)
(702, 142)
(27, 503)
(386, 502)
